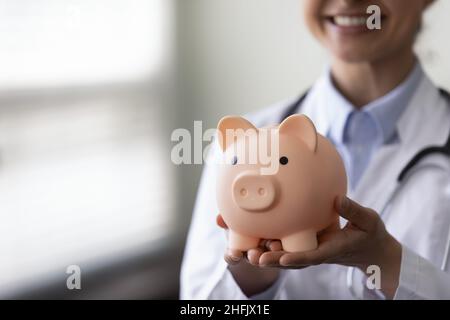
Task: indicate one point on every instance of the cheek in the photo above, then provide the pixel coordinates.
(404, 19)
(312, 13)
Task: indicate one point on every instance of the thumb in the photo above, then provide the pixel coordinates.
(360, 216)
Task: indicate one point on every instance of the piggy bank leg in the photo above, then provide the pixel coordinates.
(239, 242)
(301, 241)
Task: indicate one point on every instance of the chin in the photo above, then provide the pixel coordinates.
(352, 55)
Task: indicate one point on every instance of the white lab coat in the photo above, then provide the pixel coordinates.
(417, 213)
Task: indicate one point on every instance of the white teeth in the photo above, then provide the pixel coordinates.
(347, 21)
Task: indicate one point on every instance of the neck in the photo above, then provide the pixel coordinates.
(362, 83)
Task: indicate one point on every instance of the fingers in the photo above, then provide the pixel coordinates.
(300, 259)
(273, 245)
(233, 257)
(271, 258)
(362, 217)
(279, 258)
(253, 256)
(323, 254)
(220, 222)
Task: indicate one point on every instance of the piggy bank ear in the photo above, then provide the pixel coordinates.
(302, 127)
(230, 124)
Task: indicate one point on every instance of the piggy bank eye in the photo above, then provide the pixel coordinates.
(284, 160)
(234, 160)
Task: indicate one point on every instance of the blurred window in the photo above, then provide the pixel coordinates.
(51, 42)
(84, 173)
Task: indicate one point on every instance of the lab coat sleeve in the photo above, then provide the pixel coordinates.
(424, 244)
(204, 273)
(227, 288)
(421, 223)
(420, 279)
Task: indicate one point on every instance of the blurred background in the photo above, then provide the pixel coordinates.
(90, 92)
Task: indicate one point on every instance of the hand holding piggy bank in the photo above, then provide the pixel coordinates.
(292, 203)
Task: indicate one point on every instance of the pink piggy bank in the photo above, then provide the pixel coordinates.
(291, 203)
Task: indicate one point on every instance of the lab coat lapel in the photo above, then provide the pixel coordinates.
(422, 124)
(315, 105)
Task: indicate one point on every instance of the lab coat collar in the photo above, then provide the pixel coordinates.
(388, 109)
(426, 106)
(423, 123)
(336, 112)
(385, 111)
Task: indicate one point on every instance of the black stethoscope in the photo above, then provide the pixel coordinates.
(433, 150)
(443, 150)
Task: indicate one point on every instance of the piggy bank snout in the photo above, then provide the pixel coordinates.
(253, 192)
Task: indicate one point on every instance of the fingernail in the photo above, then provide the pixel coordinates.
(284, 264)
(234, 258)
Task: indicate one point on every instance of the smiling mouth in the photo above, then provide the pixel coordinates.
(348, 21)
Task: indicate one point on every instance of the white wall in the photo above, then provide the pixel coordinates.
(433, 46)
(242, 55)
